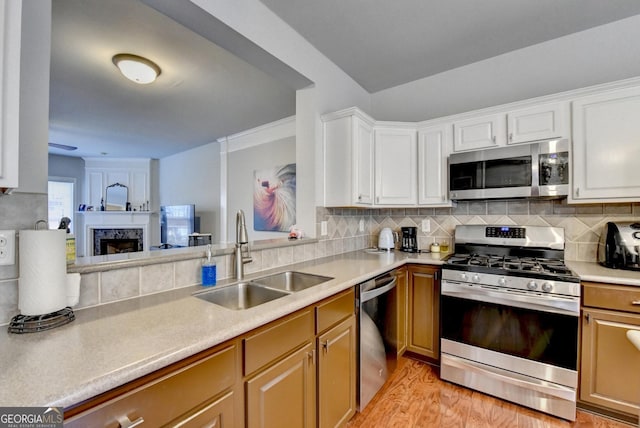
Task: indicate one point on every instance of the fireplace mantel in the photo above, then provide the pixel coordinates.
(114, 220)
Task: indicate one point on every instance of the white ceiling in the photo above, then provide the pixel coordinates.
(382, 43)
(203, 92)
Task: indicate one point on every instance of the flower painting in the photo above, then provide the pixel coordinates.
(274, 198)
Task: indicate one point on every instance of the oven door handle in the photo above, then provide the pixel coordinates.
(564, 306)
(372, 294)
(512, 378)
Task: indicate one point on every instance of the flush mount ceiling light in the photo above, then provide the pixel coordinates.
(136, 68)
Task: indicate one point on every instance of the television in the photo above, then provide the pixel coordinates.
(177, 222)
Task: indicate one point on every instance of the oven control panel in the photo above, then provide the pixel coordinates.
(505, 232)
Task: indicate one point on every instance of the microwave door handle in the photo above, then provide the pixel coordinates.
(535, 170)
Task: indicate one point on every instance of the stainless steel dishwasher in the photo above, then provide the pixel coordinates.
(377, 334)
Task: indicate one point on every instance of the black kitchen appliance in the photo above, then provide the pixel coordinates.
(409, 239)
(619, 245)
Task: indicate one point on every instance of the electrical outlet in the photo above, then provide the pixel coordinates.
(7, 247)
(361, 225)
(426, 225)
(323, 228)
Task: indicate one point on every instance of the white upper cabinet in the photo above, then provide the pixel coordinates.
(434, 145)
(540, 122)
(348, 159)
(396, 176)
(479, 132)
(606, 147)
(10, 19)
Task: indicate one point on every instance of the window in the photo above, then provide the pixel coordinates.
(61, 201)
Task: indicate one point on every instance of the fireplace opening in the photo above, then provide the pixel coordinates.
(116, 241)
(117, 246)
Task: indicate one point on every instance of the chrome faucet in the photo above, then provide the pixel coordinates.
(241, 239)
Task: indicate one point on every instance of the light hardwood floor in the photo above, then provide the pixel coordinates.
(414, 396)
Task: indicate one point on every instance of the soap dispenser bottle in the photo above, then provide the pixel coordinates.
(208, 269)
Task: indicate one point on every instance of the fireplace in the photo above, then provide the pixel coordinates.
(115, 241)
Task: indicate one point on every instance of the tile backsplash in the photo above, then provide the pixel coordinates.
(582, 223)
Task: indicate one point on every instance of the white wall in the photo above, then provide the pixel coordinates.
(241, 165)
(193, 177)
(602, 54)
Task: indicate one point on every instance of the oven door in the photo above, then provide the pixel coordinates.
(510, 349)
(541, 338)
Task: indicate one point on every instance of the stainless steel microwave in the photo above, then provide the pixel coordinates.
(525, 170)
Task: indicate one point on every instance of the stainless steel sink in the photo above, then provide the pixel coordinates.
(291, 281)
(243, 295)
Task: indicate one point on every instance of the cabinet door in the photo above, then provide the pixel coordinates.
(434, 146)
(284, 394)
(424, 311)
(363, 162)
(610, 363)
(11, 20)
(396, 174)
(348, 161)
(606, 146)
(538, 123)
(479, 133)
(337, 374)
(403, 309)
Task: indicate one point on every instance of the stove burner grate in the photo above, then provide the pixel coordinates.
(511, 263)
(34, 323)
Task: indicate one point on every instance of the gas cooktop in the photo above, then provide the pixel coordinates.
(533, 267)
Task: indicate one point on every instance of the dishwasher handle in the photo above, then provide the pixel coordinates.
(372, 294)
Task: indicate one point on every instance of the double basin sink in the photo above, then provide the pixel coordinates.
(248, 294)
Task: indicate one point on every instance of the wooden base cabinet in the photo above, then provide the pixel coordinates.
(337, 374)
(424, 311)
(609, 362)
(201, 391)
(284, 395)
(403, 309)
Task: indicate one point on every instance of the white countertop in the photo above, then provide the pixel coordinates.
(591, 271)
(109, 345)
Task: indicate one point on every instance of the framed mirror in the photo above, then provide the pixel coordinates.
(116, 197)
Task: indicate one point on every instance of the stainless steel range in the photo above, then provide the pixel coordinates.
(509, 316)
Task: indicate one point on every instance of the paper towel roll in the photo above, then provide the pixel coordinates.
(42, 287)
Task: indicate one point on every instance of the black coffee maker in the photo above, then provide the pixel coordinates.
(409, 239)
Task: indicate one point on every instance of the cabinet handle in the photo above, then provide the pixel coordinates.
(325, 346)
(125, 422)
(588, 318)
(577, 191)
(493, 139)
(359, 197)
(635, 302)
(312, 356)
(510, 136)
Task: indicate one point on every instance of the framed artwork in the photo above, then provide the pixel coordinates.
(274, 198)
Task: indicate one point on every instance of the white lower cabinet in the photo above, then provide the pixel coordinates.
(606, 147)
(434, 146)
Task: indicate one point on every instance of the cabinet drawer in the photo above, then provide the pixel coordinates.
(609, 296)
(163, 399)
(278, 339)
(218, 414)
(334, 310)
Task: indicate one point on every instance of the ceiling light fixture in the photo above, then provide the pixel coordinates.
(136, 68)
